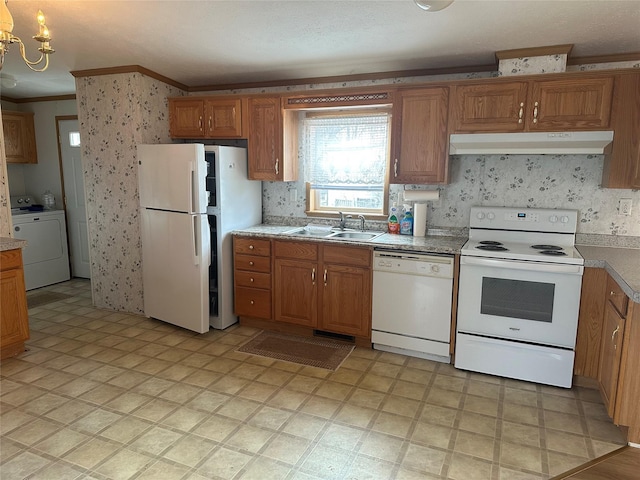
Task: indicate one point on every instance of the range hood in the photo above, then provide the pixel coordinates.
(531, 143)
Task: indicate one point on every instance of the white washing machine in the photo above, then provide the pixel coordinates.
(46, 256)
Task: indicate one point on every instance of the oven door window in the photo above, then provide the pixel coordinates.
(517, 299)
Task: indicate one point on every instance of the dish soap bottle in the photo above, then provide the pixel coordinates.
(406, 225)
(394, 225)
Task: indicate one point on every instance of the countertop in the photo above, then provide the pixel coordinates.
(7, 243)
(428, 244)
(623, 264)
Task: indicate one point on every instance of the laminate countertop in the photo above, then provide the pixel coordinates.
(428, 244)
(7, 243)
(623, 264)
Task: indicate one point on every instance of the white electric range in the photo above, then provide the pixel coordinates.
(519, 294)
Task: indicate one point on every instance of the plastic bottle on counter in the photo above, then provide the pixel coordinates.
(406, 225)
(48, 200)
(394, 225)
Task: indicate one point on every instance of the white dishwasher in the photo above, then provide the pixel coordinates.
(412, 295)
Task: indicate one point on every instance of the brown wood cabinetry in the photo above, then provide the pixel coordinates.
(272, 151)
(589, 338)
(252, 277)
(14, 321)
(19, 137)
(622, 165)
(420, 144)
(324, 287)
(560, 104)
(205, 117)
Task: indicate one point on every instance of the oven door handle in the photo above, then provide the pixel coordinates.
(528, 266)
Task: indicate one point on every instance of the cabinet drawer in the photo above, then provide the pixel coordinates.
(252, 302)
(357, 256)
(253, 263)
(252, 246)
(297, 250)
(253, 279)
(617, 297)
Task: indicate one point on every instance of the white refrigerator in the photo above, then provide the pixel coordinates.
(192, 197)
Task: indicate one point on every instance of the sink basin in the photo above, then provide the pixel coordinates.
(362, 236)
(303, 232)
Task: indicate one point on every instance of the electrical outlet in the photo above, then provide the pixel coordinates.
(293, 195)
(624, 206)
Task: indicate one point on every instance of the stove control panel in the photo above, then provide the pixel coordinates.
(527, 219)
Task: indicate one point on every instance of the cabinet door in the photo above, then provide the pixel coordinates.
(223, 118)
(19, 137)
(295, 291)
(570, 104)
(265, 139)
(14, 321)
(610, 354)
(488, 107)
(186, 118)
(420, 141)
(346, 300)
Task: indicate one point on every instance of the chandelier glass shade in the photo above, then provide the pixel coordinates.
(7, 38)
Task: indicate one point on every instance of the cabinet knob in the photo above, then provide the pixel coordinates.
(251, 280)
(612, 293)
(251, 263)
(252, 302)
(250, 247)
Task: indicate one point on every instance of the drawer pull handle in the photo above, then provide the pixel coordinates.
(250, 247)
(535, 112)
(615, 332)
(395, 167)
(313, 276)
(520, 112)
(251, 263)
(325, 277)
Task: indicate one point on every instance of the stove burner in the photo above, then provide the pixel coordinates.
(489, 242)
(493, 248)
(546, 247)
(552, 252)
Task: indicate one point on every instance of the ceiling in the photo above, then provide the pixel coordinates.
(205, 43)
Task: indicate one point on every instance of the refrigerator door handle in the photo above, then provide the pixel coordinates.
(193, 191)
(196, 235)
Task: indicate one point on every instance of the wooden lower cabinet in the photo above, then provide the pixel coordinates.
(14, 320)
(610, 355)
(252, 277)
(610, 320)
(320, 287)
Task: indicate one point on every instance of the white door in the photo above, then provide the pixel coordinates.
(73, 182)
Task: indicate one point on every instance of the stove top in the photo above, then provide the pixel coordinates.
(537, 235)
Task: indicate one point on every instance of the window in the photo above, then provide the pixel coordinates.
(74, 139)
(346, 156)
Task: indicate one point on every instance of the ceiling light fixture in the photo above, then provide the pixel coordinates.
(433, 5)
(7, 38)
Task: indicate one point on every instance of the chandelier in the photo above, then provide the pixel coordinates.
(7, 38)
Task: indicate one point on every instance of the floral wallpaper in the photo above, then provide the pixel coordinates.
(5, 207)
(116, 113)
(532, 65)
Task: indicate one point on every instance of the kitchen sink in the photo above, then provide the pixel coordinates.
(362, 236)
(347, 234)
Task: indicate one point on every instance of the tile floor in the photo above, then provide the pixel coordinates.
(109, 395)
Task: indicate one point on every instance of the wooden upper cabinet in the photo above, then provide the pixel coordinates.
(575, 104)
(420, 142)
(559, 104)
(622, 166)
(265, 141)
(19, 137)
(205, 117)
(488, 107)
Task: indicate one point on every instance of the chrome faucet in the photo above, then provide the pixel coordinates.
(343, 220)
(362, 219)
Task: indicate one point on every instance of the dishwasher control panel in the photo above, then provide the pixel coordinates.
(410, 263)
